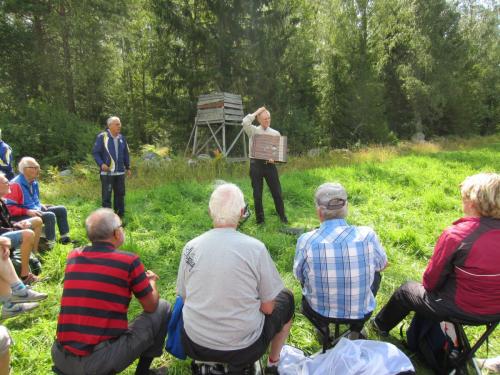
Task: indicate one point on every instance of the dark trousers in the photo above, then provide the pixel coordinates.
(412, 296)
(355, 325)
(145, 337)
(116, 184)
(260, 170)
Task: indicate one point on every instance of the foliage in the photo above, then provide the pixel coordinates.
(408, 194)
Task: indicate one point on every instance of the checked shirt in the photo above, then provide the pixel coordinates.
(335, 265)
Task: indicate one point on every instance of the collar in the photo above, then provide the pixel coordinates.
(104, 245)
(111, 135)
(333, 223)
(24, 181)
(467, 219)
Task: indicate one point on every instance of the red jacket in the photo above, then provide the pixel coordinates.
(465, 266)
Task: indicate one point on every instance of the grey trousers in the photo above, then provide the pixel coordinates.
(144, 337)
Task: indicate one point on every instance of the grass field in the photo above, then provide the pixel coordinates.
(408, 194)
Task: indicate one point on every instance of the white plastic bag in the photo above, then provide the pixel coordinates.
(359, 357)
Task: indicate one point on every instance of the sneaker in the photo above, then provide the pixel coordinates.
(284, 220)
(29, 296)
(377, 329)
(66, 240)
(17, 309)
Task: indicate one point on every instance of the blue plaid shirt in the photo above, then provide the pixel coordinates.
(335, 265)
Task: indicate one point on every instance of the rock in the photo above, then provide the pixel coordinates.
(65, 173)
(418, 137)
(150, 156)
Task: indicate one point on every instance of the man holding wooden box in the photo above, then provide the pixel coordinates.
(263, 169)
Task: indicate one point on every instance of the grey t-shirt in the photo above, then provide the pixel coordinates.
(223, 278)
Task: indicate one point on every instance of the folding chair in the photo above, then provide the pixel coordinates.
(322, 324)
(458, 362)
(217, 368)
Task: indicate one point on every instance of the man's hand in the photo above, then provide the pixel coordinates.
(129, 173)
(34, 213)
(270, 161)
(25, 224)
(151, 275)
(259, 111)
(104, 167)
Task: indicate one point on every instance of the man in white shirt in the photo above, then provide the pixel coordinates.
(263, 169)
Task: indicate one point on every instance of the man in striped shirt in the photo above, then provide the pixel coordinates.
(338, 265)
(93, 334)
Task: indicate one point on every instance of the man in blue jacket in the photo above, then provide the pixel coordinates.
(6, 159)
(111, 154)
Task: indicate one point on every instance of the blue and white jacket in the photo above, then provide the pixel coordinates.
(104, 153)
(6, 160)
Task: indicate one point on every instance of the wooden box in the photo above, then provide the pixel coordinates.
(267, 147)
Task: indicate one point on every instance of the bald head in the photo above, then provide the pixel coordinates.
(102, 224)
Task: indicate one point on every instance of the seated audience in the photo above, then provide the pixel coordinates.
(93, 333)
(15, 297)
(235, 303)
(462, 279)
(23, 202)
(338, 265)
(6, 159)
(24, 234)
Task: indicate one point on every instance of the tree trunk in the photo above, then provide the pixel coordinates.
(68, 74)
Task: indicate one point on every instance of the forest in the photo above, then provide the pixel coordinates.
(334, 73)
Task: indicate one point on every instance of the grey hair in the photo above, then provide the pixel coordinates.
(25, 162)
(101, 224)
(226, 203)
(112, 119)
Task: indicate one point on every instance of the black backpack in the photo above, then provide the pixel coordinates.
(426, 338)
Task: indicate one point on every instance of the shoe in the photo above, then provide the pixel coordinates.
(284, 220)
(17, 309)
(260, 221)
(30, 279)
(30, 296)
(376, 328)
(66, 240)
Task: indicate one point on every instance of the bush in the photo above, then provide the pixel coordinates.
(48, 133)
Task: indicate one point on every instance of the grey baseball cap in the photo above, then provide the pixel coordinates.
(331, 196)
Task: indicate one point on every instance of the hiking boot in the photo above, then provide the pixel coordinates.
(284, 219)
(17, 309)
(29, 295)
(376, 328)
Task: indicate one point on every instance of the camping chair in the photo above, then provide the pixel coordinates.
(458, 361)
(322, 324)
(217, 368)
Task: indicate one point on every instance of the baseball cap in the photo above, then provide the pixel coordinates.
(331, 196)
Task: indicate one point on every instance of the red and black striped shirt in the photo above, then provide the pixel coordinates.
(98, 285)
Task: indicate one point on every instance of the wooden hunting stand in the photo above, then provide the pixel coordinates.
(217, 125)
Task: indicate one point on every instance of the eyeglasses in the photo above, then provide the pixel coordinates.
(32, 167)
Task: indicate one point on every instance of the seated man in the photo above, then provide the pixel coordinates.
(235, 303)
(93, 334)
(24, 202)
(24, 234)
(15, 297)
(338, 265)
(462, 279)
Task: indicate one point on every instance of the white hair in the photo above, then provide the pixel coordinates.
(27, 161)
(226, 203)
(112, 119)
(101, 224)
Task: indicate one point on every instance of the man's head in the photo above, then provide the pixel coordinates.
(4, 185)
(29, 168)
(226, 205)
(481, 193)
(331, 201)
(103, 225)
(114, 125)
(264, 119)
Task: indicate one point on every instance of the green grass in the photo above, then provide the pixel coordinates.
(408, 194)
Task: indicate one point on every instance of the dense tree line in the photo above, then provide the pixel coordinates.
(333, 72)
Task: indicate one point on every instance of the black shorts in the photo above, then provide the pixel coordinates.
(283, 312)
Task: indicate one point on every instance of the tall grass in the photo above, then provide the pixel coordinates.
(408, 194)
